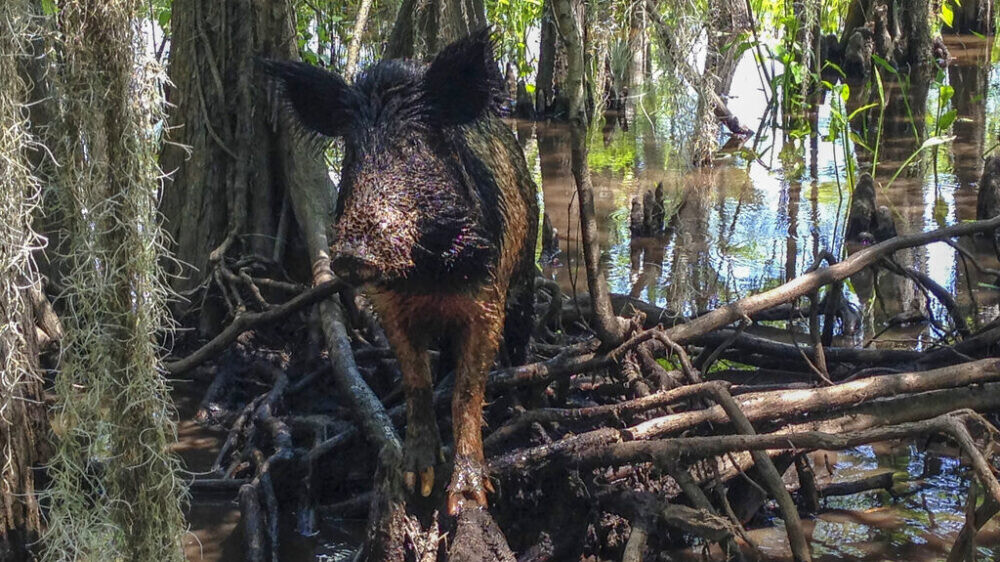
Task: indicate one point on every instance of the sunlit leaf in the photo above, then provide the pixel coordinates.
(860, 109)
(947, 15)
(845, 92)
(947, 119)
(935, 141)
(945, 93)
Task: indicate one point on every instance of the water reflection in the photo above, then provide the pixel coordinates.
(748, 224)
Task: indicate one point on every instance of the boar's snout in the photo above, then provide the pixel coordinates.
(353, 268)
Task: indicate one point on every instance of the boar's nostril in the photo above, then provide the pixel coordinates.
(353, 269)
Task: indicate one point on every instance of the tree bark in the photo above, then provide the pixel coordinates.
(355, 46)
(230, 164)
(607, 326)
(422, 28)
(550, 95)
(23, 423)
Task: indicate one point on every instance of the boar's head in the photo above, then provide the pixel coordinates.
(416, 209)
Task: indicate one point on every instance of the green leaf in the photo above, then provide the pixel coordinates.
(947, 119)
(840, 71)
(859, 141)
(860, 109)
(979, 35)
(947, 15)
(945, 93)
(881, 89)
(163, 18)
(845, 93)
(884, 64)
(49, 7)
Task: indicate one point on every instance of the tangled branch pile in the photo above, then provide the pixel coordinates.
(599, 448)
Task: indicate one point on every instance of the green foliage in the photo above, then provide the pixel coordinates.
(324, 29)
(513, 19)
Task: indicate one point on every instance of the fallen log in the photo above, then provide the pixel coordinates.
(248, 320)
(878, 481)
(760, 406)
(805, 284)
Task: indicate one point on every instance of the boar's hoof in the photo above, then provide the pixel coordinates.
(421, 452)
(469, 482)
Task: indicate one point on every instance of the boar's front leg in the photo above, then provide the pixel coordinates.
(478, 344)
(422, 449)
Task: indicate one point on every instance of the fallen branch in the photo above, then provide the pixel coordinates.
(246, 321)
(880, 480)
(769, 406)
(770, 474)
(805, 284)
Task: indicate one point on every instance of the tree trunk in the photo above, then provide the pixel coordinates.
(230, 165)
(424, 26)
(729, 19)
(23, 424)
(608, 327)
(550, 95)
(355, 47)
(115, 490)
(916, 27)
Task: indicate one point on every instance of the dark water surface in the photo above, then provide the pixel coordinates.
(748, 224)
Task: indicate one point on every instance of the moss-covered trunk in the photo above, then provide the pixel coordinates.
(115, 491)
(22, 414)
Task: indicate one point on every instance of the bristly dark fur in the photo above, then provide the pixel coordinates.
(472, 60)
(461, 84)
(323, 101)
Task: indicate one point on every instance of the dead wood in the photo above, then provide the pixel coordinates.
(772, 478)
(477, 538)
(698, 522)
(878, 481)
(253, 526)
(805, 284)
(247, 320)
(594, 413)
(759, 406)
(807, 483)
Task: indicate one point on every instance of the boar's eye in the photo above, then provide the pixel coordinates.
(322, 100)
(463, 81)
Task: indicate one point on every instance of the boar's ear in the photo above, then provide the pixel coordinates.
(463, 80)
(321, 100)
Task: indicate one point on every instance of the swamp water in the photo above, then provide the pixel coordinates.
(750, 223)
